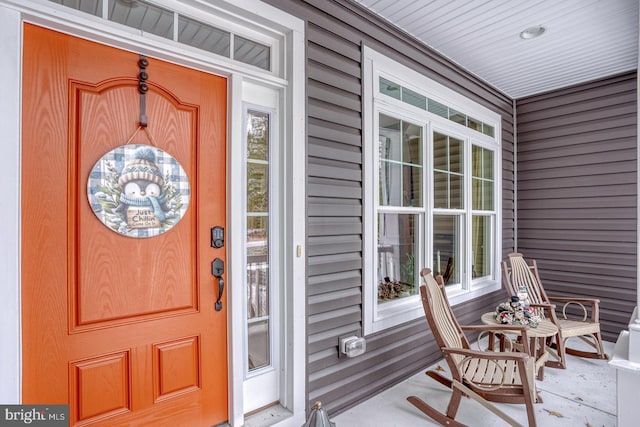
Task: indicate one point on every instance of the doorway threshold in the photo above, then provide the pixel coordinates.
(269, 416)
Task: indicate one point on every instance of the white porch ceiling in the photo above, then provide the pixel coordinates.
(584, 39)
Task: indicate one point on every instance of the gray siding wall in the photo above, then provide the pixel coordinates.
(577, 193)
(336, 32)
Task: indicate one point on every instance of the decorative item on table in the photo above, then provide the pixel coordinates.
(515, 312)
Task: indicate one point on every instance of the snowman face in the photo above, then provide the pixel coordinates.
(132, 189)
(141, 188)
(152, 190)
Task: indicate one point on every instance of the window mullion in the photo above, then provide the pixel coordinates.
(468, 217)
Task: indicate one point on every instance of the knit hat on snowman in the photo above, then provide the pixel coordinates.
(142, 167)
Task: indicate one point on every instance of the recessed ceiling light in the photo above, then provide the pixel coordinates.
(532, 32)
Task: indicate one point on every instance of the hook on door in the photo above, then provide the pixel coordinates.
(217, 270)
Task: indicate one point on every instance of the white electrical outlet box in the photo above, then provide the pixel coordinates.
(353, 346)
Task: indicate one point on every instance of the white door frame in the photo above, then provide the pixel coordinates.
(42, 12)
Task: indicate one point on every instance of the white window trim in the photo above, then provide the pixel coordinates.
(288, 75)
(376, 64)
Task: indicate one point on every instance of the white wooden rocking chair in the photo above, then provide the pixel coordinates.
(485, 376)
(587, 327)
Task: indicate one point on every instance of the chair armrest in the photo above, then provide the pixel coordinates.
(569, 299)
(580, 302)
(542, 305)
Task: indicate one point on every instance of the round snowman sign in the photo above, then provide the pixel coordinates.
(138, 190)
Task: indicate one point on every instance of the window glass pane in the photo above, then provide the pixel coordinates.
(474, 124)
(481, 246)
(258, 286)
(482, 196)
(94, 7)
(258, 332)
(448, 172)
(487, 130)
(142, 16)
(390, 147)
(389, 88)
(446, 247)
(487, 165)
(440, 152)
(455, 155)
(413, 98)
(476, 195)
(257, 135)
(456, 199)
(257, 187)
(257, 237)
(257, 269)
(252, 53)
(439, 109)
(412, 155)
(412, 143)
(203, 36)
(400, 168)
(457, 117)
(476, 161)
(397, 255)
(487, 196)
(390, 183)
(440, 190)
(259, 341)
(441, 167)
(412, 186)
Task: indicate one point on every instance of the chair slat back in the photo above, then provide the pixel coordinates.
(445, 328)
(521, 274)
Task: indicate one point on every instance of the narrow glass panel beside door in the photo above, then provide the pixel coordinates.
(257, 241)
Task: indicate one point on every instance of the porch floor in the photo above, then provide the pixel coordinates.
(584, 394)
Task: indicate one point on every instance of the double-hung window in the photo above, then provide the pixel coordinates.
(432, 186)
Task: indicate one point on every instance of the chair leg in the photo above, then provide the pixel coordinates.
(458, 386)
(600, 346)
(531, 412)
(431, 412)
(440, 378)
(561, 351)
(454, 403)
(530, 395)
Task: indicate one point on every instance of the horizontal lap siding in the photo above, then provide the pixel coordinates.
(508, 186)
(335, 34)
(577, 193)
(334, 177)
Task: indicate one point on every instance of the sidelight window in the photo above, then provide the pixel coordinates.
(257, 240)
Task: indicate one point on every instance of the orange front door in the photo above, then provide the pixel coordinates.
(122, 328)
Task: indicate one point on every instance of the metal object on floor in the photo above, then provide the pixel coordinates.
(318, 417)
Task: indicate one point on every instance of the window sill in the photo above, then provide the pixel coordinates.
(479, 289)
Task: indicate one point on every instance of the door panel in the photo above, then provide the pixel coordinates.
(123, 329)
(106, 289)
